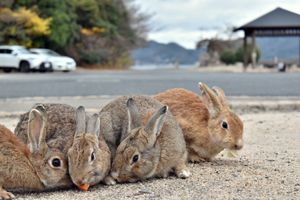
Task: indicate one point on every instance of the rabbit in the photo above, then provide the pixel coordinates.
(63, 133)
(209, 125)
(60, 128)
(89, 156)
(34, 167)
(144, 138)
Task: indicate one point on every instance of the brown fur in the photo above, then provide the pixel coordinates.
(7, 137)
(16, 170)
(87, 141)
(61, 125)
(203, 133)
(61, 128)
(30, 169)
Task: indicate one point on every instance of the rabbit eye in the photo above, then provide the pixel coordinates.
(135, 158)
(56, 162)
(224, 125)
(93, 156)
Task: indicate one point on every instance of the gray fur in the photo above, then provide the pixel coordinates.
(115, 128)
(60, 126)
(80, 120)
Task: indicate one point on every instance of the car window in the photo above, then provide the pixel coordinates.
(5, 51)
(52, 53)
(23, 51)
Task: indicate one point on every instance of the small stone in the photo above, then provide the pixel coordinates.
(145, 191)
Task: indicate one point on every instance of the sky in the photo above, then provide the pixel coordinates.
(188, 21)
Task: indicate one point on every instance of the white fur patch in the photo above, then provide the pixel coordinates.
(240, 142)
(114, 175)
(184, 174)
(110, 181)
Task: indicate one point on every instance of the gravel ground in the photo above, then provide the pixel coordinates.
(268, 167)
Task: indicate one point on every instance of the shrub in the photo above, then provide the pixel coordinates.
(239, 54)
(231, 57)
(228, 57)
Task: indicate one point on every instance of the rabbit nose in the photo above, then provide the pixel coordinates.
(239, 144)
(81, 181)
(237, 147)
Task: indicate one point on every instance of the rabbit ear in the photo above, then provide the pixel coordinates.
(221, 95)
(156, 122)
(80, 120)
(211, 100)
(37, 129)
(93, 125)
(134, 119)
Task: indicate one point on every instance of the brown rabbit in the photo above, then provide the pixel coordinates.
(64, 121)
(145, 138)
(30, 169)
(60, 128)
(209, 125)
(89, 155)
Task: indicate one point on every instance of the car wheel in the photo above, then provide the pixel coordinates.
(50, 69)
(7, 70)
(42, 70)
(24, 67)
(66, 71)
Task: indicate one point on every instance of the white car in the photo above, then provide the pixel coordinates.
(59, 62)
(19, 58)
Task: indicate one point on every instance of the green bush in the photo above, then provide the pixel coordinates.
(239, 54)
(231, 57)
(228, 57)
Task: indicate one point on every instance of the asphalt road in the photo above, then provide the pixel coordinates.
(145, 82)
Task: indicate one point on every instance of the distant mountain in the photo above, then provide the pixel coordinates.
(157, 53)
(286, 48)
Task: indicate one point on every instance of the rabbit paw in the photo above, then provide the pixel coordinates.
(184, 173)
(4, 195)
(110, 181)
(197, 159)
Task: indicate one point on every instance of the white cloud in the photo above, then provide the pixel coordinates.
(185, 21)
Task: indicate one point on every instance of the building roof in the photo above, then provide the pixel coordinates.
(277, 18)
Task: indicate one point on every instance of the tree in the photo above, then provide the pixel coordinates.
(92, 31)
(22, 26)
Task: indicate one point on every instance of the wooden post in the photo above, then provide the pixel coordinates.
(245, 55)
(253, 52)
(299, 54)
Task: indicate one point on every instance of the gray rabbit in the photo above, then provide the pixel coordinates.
(144, 138)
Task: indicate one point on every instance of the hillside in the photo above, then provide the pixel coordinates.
(286, 48)
(158, 53)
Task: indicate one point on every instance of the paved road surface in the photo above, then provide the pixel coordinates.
(145, 82)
